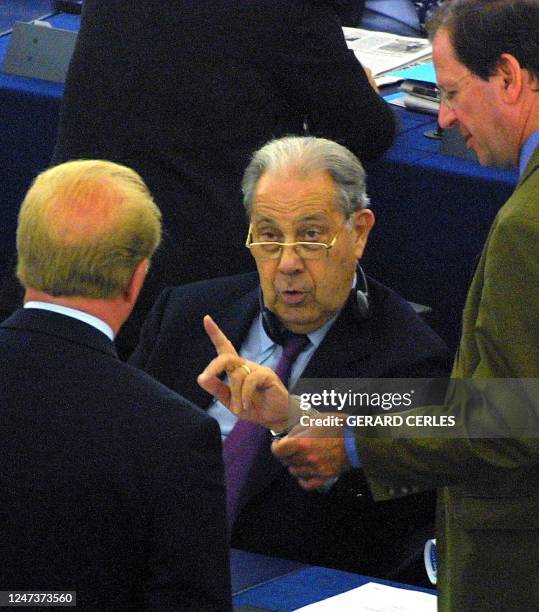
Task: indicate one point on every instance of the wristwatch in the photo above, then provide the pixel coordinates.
(305, 410)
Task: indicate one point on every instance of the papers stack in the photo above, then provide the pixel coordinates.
(383, 53)
(373, 597)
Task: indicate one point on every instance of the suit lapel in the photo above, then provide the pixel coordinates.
(342, 351)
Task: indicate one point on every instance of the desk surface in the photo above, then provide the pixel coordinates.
(36, 87)
(22, 10)
(303, 586)
(249, 569)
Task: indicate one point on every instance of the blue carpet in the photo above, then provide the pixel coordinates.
(22, 10)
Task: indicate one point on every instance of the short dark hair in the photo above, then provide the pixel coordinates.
(481, 30)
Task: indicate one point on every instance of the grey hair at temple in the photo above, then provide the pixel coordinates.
(306, 154)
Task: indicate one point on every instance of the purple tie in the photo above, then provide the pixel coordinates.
(242, 443)
(292, 347)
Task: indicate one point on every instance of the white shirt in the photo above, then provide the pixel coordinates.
(74, 314)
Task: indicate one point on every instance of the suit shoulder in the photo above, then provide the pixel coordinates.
(153, 399)
(204, 295)
(388, 303)
(401, 326)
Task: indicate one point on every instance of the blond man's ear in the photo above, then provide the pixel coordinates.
(137, 280)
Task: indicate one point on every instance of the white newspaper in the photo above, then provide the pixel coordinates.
(383, 52)
(373, 597)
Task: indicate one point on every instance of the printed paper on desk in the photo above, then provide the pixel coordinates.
(373, 597)
(382, 52)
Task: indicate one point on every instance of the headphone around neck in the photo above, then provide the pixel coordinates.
(358, 300)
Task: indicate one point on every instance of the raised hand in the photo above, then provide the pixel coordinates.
(254, 393)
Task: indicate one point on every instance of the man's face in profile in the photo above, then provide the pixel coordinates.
(305, 292)
(475, 106)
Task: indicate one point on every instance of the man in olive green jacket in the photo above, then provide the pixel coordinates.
(488, 508)
(486, 55)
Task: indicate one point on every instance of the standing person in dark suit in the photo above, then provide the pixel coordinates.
(313, 190)
(183, 92)
(350, 11)
(111, 485)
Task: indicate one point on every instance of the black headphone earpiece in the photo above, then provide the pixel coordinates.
(360, 308)
(270, 322)
(361, 303)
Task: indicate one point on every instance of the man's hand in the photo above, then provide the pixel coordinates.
(372, 82)
(314, 455)
(254, 393)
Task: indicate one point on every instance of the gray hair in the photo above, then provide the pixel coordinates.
(307, 154)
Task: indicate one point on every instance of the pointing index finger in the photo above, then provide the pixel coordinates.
(221, 343)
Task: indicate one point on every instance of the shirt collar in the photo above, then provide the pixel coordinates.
(315, 337)
(74, 314)
(527, 151)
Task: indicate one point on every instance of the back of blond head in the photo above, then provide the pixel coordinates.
(83, 227)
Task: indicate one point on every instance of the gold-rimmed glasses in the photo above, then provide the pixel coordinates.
(273, 250)
(449, 98)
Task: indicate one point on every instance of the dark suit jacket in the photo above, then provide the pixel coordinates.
(111, 484)
(184, 92)
(344, 528)
(350, 11)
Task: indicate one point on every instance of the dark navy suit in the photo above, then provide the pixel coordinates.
(343, 528)
(110, 484)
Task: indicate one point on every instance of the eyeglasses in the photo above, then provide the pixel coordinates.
(449, 98)
(274, 250)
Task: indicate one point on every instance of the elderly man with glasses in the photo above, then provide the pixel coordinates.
(310, 311)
